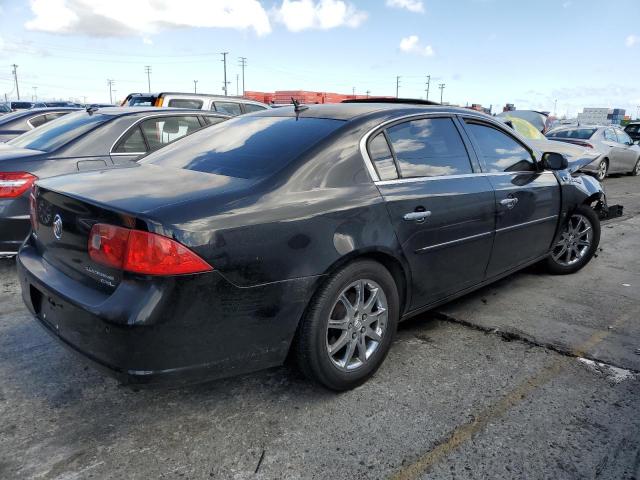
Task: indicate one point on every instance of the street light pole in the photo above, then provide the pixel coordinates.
(195, 86)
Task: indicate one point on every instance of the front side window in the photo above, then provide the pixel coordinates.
(185, 103)
(382, 158)
(228, 108)
(610, 135)
(132, 143)
(429, 147)
(37, 120)
(162, 130)
(501, 153)
(623, 137)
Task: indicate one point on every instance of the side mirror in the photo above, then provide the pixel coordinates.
(554, 161)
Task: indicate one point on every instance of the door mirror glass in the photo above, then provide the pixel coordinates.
(554, 161)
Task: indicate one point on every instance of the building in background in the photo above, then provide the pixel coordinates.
(601, 116)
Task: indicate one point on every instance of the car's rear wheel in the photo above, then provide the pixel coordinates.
(349, 326)
(577, 243)
(636, 169)
(603, 168)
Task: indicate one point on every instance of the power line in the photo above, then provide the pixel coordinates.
(147, 69)
(224, 61)
(243, 63)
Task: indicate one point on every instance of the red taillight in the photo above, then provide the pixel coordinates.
(14, 184)
(142, 252)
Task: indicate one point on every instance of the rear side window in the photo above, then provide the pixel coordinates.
(229, 108)
(501, 153)
(382, 157)
(245, 147)
(250, 107)
(132, 143)
(429, 147)
(160, 131)
(185, 103)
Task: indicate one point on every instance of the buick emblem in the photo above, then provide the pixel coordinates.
(57, 226)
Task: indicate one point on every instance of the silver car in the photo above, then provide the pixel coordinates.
(616, 152)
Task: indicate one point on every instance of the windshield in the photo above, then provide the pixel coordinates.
(524, 128)
(245, 147)
(54, 134)
(579, 133)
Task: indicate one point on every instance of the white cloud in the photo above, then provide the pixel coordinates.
(632, 40)
(411, 44)
(298, 15)
(415, 6)
(125, 17)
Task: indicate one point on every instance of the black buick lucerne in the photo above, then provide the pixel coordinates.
(309, 230)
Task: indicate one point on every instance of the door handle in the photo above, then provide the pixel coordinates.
(417, 216)
(509, 202)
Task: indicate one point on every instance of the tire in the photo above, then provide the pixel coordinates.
(636, 169)
(315, 337)
(577, 244)
(603, 169)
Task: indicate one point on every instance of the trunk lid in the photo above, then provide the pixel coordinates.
(68, 206)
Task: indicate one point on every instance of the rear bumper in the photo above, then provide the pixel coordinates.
(166, 330)
(14, 224)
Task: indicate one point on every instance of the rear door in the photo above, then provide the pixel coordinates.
(527, 199)
(617, 153)
(629, 152)
(442, 208)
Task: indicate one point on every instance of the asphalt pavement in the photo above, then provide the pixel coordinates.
(536, 376)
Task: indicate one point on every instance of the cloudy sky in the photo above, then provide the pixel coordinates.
(580, 52)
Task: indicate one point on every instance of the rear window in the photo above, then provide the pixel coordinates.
(245, 147)
(52, 135)
(142, 101)
(579, 133)
(228, 108)
(18, 105)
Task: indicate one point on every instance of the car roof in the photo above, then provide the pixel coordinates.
(228, 98)
(349, 111)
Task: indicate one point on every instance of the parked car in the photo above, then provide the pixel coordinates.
(227, 105)
(62, 104)
(309, 231)
(84, 140)
(616, 151)
(21, 121)
(633, 130)
(577, 156)
(4, 108)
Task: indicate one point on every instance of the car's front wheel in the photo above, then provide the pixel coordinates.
(349, 326)
(636, 169)
(577, 243)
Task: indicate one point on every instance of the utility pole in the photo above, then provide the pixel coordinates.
(15, 77)
(428, 85)
(35, 94)
(84, 98)
(195, 86)
(353, 92)
(555, 107)
(243, 63)
(147, 70)
(368, 92)
(224, 61)
(397, 85)
(237, 83)
(441, 87)
(110, 83)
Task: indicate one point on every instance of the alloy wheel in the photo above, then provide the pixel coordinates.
(636, 170)
(602, 170)
(357, 324)
(575, 241)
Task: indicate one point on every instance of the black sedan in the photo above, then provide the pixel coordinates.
(84, 140)
(17, 123)
(309, 231)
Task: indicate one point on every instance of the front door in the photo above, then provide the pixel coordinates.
(442, 208)
(527, 199)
